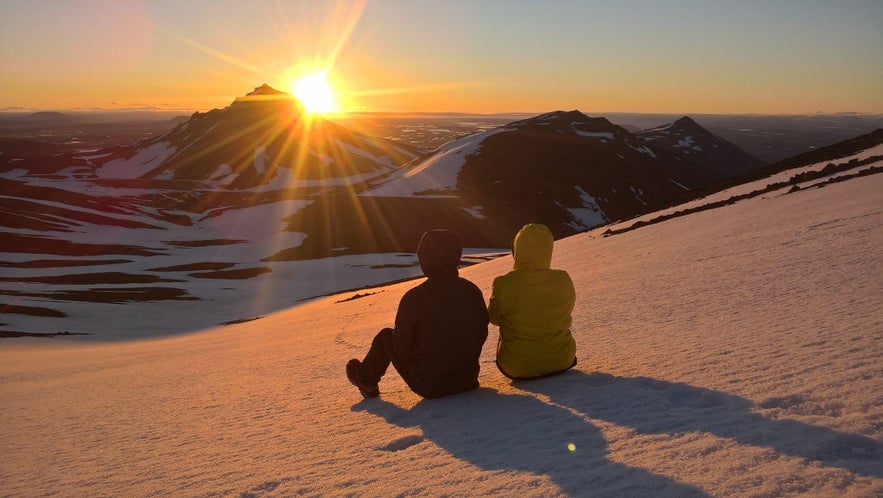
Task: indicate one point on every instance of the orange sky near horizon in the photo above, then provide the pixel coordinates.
(683, 56)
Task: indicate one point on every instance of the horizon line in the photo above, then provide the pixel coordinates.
(85, 110)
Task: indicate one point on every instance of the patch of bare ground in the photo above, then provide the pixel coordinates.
(204, 243)
(91, 279)
(242, 320)
(240, 274)
(114, 295)
(194, 267)
(61, 263)
(32, 244)
(356, 296)
(31, 310)
(14, 333)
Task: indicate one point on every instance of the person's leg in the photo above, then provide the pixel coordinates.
(386, 342)
(366, 374)
(539, 376)
(378, 358)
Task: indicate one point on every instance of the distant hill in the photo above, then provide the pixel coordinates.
(770, 138)
(49, 117)
(43, 119)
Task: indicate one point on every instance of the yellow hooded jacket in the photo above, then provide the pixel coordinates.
(532, 306)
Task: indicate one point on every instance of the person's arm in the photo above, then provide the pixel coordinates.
(493, 307)
(406, 326)
(484, 311)
(571, 293)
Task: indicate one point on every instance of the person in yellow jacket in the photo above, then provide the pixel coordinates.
(532, 305)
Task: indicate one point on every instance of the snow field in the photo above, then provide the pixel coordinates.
(440, 172)
(732, 352)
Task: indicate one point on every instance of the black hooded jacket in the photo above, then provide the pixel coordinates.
(442, 324)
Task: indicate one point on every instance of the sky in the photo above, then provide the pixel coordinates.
(488, 56)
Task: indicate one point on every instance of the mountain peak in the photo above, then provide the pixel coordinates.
(264, 89)
(689, 141)
(567, 119)
(265, 93)
(556, 116)
(682, 125)
(686, 121)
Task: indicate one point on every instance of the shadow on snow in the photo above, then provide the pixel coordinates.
(496, 431)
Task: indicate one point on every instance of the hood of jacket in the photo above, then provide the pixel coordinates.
(439, 253)
(532, 249)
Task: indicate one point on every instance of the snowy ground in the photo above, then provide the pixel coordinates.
(220, 301)
(209, 271)
(731, 352)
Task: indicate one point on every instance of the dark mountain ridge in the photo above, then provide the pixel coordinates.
(255, 139)
(569, 171)
(684, 138)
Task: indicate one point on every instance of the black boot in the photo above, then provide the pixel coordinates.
(352, 374)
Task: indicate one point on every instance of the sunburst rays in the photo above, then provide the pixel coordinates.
(295, 140)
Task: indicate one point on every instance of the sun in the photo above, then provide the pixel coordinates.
(314, 92)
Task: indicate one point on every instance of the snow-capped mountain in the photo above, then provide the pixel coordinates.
(685, 139)
(566, 169)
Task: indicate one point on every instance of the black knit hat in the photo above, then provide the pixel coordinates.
(439, 253)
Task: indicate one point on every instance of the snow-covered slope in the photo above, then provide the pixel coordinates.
(731, 352)
(436, 175)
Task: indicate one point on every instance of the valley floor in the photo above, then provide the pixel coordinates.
(732, 352)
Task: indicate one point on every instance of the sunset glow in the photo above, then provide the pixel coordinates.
(314, 92)
(454, 56)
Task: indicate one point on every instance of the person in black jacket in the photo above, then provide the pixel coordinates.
(440, 328)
